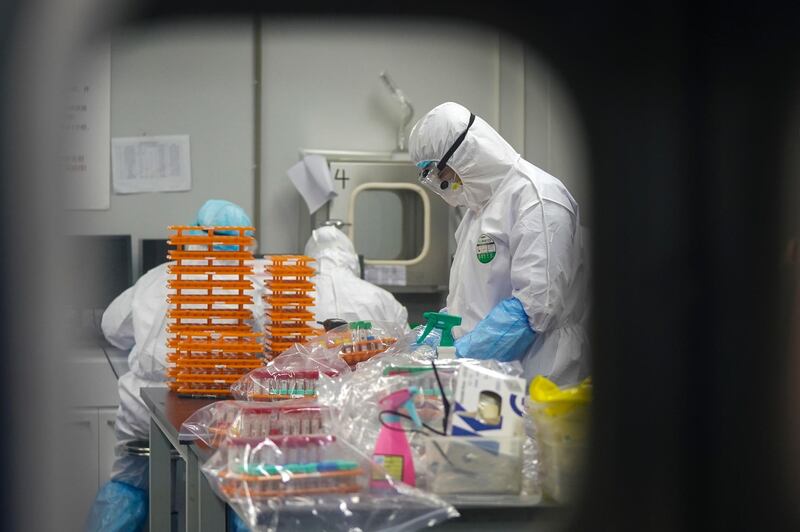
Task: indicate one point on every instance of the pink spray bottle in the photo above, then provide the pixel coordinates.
(392, 450)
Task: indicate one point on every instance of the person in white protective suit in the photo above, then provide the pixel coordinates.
(341, 293)
(518, 278)
(137, 320)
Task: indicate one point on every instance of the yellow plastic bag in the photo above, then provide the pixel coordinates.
(561, 420)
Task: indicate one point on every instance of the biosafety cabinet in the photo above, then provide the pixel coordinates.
(400, 227)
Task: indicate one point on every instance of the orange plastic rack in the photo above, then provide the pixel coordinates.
(211, 344)
(364, 350)
(287, 302)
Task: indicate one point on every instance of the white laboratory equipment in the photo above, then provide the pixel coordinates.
(398, 226)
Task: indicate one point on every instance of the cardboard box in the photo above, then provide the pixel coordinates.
(487, 403)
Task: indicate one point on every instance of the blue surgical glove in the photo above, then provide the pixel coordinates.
(236, 523)
(503, 335)
(118, 507)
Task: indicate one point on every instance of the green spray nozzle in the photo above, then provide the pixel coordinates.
(443, 322)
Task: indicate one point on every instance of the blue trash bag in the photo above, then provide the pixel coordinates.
(503, 335)
(118, 507)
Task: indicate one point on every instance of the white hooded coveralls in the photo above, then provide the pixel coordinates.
(341, 293)
(137, 320)
(525, 226)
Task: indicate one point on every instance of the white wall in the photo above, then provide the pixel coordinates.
(321, 90)
(194, 80)
(554, 137)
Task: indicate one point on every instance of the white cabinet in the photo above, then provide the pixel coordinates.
(107, 442)
(91, 441)
(82, 467)
(90, 430)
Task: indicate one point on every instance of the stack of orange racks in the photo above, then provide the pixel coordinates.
(211, 344)
(288, 300)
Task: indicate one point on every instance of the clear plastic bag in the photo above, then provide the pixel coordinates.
(218, 421)
(294, 374)
(473, 465)
(298, 483)
(561, 424)
(356, 402)
(360, 341)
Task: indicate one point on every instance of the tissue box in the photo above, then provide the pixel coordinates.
(487, 403)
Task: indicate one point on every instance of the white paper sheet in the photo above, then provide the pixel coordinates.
(386, 275)
(87, 133)
(312, 179)
(151, 164)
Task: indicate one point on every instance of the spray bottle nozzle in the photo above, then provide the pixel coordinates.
(443, 322)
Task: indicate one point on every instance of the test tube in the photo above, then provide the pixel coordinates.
(311, 382)
(291, 451)
(298, 384)
(260, 424)
(268, 422)
(249, 425)
(273, 385)
(243, 425)
(284, 383)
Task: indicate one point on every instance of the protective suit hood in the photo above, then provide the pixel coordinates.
(482, 161)
(340, 292)
(332, 249)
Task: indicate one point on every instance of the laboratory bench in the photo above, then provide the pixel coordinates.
(205, 512)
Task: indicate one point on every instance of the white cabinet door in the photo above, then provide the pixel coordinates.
(107, 443)
(81, 448)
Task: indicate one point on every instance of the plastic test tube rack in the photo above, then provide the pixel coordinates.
(211, 344)
(287, 303)
(269, 422)
(288, 466)
(361, 344)
(273, 385)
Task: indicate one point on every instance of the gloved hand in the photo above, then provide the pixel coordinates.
(503, 335)
(118, 507)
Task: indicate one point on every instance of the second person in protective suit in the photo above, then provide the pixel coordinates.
(518, 277)
(341, 293)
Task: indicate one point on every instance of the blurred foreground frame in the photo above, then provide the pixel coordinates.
(690, 116)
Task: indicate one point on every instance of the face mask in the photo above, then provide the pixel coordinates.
(430, 173)
(450, 190)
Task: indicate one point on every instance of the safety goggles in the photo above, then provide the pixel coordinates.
(430, 172)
